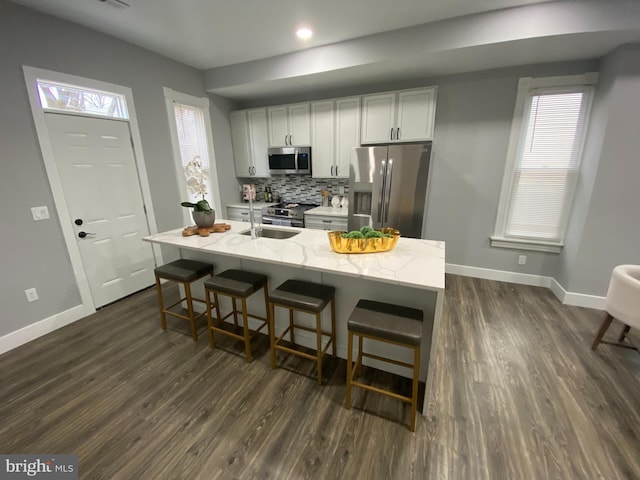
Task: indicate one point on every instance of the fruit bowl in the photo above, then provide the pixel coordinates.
(339, 244)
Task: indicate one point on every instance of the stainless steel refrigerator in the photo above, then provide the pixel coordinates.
(388, 187)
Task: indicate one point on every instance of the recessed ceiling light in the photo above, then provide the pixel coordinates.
(304, 33)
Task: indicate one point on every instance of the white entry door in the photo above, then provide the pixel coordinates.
(95, 161)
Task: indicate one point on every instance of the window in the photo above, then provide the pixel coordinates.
(545, 148)
(75, 99)
(191, 136)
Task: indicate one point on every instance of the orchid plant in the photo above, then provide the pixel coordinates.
(196, 184)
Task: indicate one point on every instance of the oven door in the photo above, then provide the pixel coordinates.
(285, 222)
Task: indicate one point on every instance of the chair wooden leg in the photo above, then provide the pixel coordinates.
(194, 331)
(414, 387)
(272, 333)
(603, 329)
(347, 402)
(163, 317)
(623, 333)
(319, 345)
(245, 328)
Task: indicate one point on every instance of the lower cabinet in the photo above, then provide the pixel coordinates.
(322, 222)
(241, 214)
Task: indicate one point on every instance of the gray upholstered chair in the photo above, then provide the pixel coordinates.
(623, 302)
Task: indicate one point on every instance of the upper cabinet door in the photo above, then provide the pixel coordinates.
(278, 128)
(323, 139)
(241, 143)
(416, 111)
(378, 118)
(299, 125)
(259, 141)
(347, 133)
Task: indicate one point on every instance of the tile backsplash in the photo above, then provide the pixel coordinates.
(298, 188)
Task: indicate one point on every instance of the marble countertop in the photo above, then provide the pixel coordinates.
(328, 211)
(413, 262)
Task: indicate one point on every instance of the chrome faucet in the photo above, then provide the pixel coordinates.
(255, 229)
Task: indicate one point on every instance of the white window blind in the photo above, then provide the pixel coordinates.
(192, 139)
(542, 172)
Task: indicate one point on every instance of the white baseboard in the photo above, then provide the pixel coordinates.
(38, 329)
(577, 299)
(567, 298)
(499, 275)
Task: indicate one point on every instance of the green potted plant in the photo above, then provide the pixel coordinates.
(203, 215)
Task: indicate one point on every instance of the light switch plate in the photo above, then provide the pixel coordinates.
(40, 213)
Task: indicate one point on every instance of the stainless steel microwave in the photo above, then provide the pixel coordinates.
(290, 160)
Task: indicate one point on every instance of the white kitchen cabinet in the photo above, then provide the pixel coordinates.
(289, 125)
(402, 116)
(335, 130)
(325, 222)
(240, 212)
(249, 137)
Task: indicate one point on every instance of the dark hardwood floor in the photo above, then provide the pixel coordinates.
(518, 394)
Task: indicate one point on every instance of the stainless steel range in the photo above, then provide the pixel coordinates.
(290, 214)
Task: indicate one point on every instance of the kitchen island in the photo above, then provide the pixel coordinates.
(412, 274)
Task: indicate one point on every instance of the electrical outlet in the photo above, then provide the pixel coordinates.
(522, 260)
(32, 294)
(40, 213)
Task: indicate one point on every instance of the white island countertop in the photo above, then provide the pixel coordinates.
(413, 262)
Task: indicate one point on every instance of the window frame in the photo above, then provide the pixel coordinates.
(172, 97)
(528, 87)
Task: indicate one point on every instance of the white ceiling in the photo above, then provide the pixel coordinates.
(249, 51)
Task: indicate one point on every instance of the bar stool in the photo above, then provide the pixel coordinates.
(236, 284)
(185, 272)
(389, 323)
(306, 297)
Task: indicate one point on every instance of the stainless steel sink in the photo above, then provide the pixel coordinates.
(273, 233)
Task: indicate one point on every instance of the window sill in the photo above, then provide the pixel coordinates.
(536, 246)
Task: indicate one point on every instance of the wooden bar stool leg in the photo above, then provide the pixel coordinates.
(347, 402)
(207, 296)
(414, 387)
(194, 332)
(292, 335)
(272, 334)
(319, 345)
(163, 317)
(359, 357)
(235, 311)
(333, 327)
(245, 327)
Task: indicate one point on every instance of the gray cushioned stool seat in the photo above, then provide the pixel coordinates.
(384, 320)
(302, 295)
(183, 270)
(236, 282)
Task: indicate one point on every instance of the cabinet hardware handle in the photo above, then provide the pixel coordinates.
(336, 170)
(392, 134)
(398, 134)
(332, 170)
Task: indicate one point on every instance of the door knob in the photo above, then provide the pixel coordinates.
(86, 234)
(78, 221)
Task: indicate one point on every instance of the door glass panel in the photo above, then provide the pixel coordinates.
(69, 98)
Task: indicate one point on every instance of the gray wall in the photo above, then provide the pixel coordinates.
(34, 253)
(610, 233)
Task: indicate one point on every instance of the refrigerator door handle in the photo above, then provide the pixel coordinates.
(382, 190)
(387, 193)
